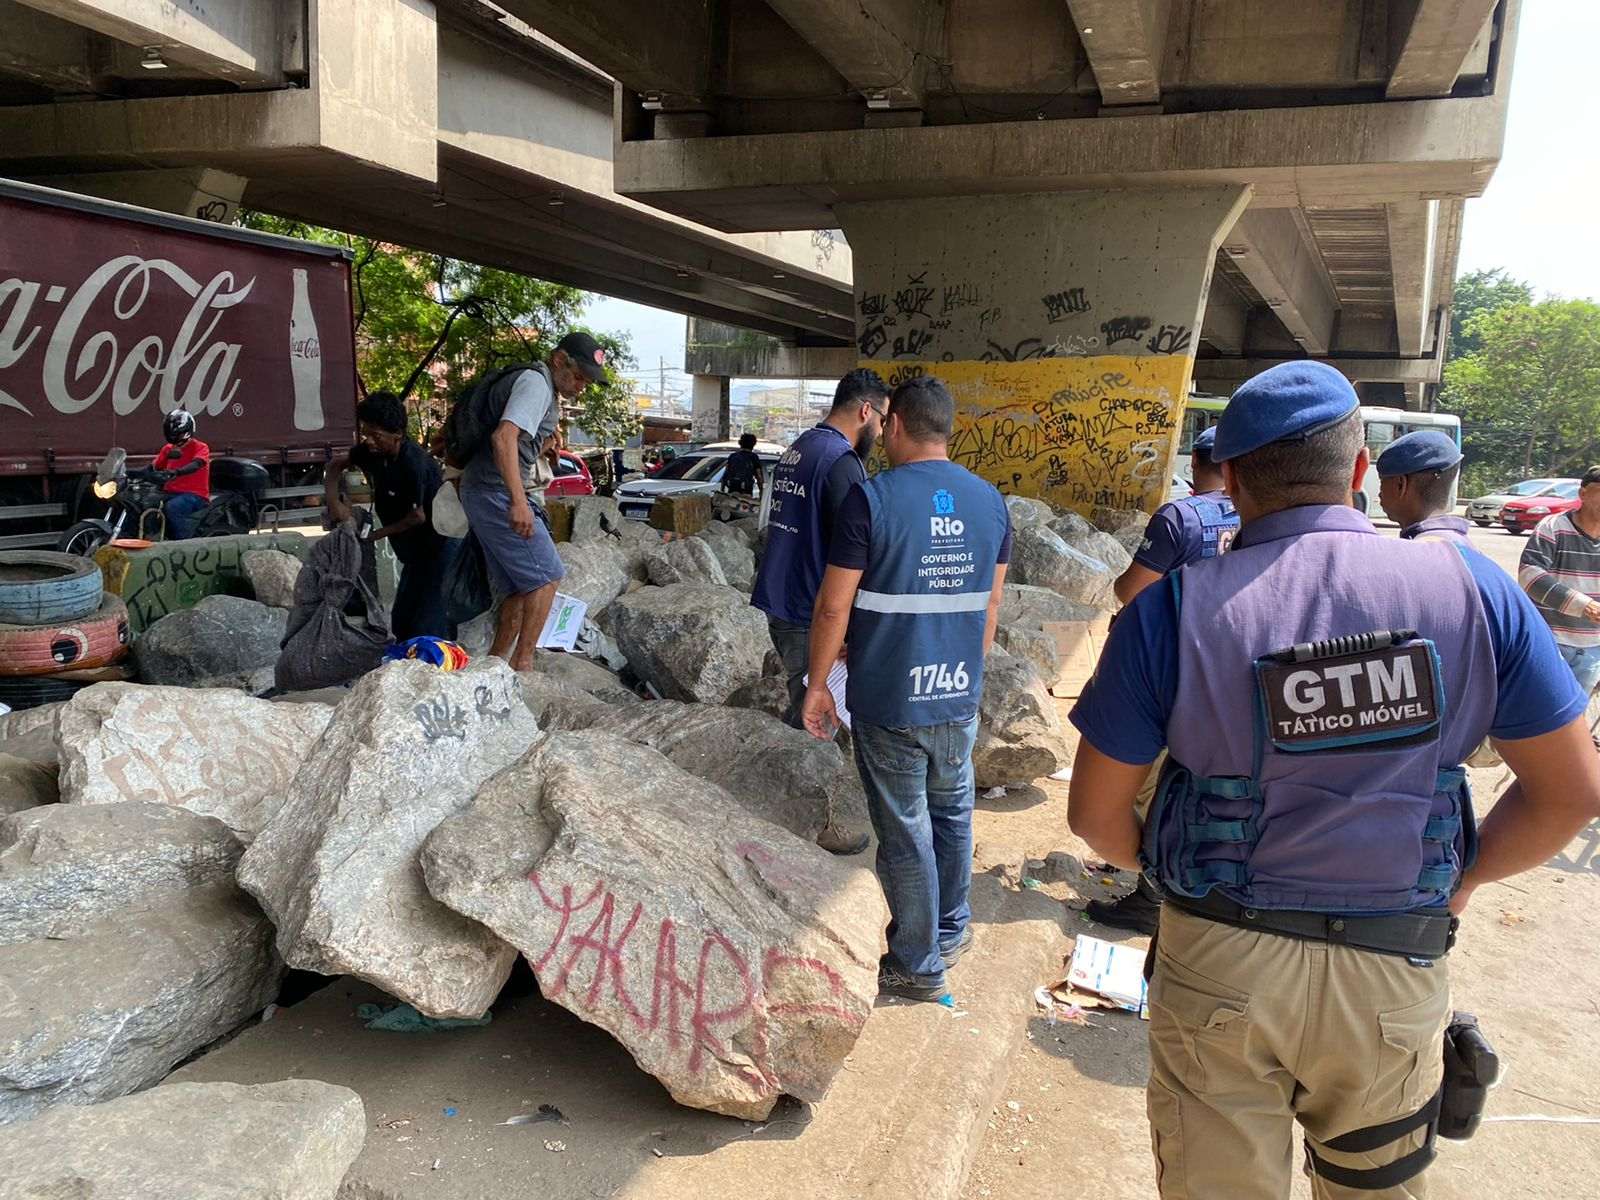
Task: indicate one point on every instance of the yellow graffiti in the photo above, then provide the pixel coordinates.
(1082, 433)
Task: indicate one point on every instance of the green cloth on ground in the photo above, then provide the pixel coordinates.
(402, 1018)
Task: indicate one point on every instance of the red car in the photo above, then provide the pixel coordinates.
(572, 477)
(1520, 515)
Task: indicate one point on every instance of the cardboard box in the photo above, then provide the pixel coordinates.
(1078, 646)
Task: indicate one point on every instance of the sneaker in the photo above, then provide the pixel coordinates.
(892, 981)
(1139, 910)
(953, 955)
(836, 841)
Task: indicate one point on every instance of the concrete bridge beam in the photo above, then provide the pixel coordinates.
(1065, 325)
(1125, 41)
(869, 42)
(1281, 262)
(1437, 44)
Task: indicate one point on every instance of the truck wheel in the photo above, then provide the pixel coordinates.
(41, 587)
(98, 640)
(84, 538)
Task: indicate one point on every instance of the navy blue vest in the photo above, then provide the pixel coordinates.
(1442, 528)
(1309, 769)
(916, 631)
(796, 553)
(1219, 523)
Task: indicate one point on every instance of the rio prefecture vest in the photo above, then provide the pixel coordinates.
(1316, 776)
(797, 552)
(916, 631)
(1442, 528)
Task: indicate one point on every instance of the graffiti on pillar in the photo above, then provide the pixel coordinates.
(1125, 329)
(1022, 351)
(705, 425)
(912, 299)
(1080, 432)
(963, 295)
(822, 241)
(1058, 306)
(1169, 339)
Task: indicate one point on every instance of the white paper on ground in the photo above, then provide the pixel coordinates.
(837, 678)
(1110, 970)
(562, 626)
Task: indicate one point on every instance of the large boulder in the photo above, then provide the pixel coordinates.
(202, 1141)
(336, 866)
(130, 947)
(557, 703)
(1037, 647)
(599, 681)
(1115, 520)
(1019, 732)
(1026, 607)
(25, 784)
(31, 733)
(686, 560)
(692, 641)
(780, 774)
(214, 752)
(272, 574)
(65, 867)
(597, 571)
(221, 635)
(736, 962)
(1025, 510)
(585, 518)
(1130, 539)
(1098, 544)
(1040, 557)
(769, 694)
(734, 555)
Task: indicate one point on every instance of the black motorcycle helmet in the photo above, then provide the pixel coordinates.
(178, 426)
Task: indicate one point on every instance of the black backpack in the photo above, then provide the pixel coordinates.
(740, 473)
(478, 408)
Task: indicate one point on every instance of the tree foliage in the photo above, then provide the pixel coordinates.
(1480, 292)
(427, 324)
(1529, 395)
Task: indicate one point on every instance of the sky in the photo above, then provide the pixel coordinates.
(1529, 221)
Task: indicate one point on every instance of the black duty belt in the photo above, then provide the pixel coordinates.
(1411, 935)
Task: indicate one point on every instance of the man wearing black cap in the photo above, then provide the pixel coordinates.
(1416, 476)
(1317, 689)
(513, 531)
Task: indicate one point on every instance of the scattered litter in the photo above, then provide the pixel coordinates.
(1112, 973)
(656, 1150)
(402, 1018)
(547, 1114)
(948, 1000)
(1058, 1005)
(1108, 881)
(449, 1112)
(1013, 1106)
(396, 1122)
(1031, 884)
(995, 793)
(1105, 868)
(268, 1013)
(436, 1163)
(1064, 775)
(1510, 918)
(555, 1147)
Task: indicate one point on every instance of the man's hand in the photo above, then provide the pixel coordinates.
(339, 512)
(521, 515)
(1458, 902)
(1591, 610)
(551, 449)
(818, 713)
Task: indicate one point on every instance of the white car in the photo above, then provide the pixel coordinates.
(696, 471)
(1485, 510)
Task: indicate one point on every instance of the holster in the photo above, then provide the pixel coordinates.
(1471, 1068)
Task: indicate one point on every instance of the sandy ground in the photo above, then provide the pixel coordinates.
(1072, 1120)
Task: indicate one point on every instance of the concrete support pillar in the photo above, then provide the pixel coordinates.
(710, 408)
(1065, 325)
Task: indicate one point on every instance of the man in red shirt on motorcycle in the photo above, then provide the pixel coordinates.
(185, 463)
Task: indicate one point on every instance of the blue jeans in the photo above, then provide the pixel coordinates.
(180, 508)
(920, 797)
(1585, 664)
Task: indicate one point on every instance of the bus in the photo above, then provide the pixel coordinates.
(1383, 426)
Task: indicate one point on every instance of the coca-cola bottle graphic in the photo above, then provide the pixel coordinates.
(305, 357)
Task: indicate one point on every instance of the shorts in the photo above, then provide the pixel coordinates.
(516, 564)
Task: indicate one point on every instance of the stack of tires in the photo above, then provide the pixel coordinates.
(59, 631)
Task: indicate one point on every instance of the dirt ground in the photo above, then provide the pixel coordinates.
(1072, 1119)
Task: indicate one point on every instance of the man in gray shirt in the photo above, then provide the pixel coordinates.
(513, 531)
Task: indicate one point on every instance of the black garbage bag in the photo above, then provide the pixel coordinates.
(467, 593)
(324, 646)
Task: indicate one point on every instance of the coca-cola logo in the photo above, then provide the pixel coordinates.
(305, 347)
(84, 358)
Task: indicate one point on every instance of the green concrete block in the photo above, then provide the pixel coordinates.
(561, 510)
(171, 576)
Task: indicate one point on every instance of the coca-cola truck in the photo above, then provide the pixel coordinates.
(112, 316)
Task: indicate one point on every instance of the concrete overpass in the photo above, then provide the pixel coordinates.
(448, 126)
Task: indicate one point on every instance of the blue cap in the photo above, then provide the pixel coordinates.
(1424, 450)
(1206, 438)
(1288, 402)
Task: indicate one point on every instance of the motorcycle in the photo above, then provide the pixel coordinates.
(135, 498)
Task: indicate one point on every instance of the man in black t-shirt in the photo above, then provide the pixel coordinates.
(743, 469)
(404, 480)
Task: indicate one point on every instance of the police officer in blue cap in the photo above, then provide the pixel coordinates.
(1316, 689)
(1182, 531)
(1416, 481)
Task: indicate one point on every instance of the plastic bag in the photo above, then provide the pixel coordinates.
(324, 647)
(467, 593)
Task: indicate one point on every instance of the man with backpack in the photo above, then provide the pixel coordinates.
(743, 469)
(498, 433)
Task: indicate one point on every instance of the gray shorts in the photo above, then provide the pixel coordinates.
(516, 564)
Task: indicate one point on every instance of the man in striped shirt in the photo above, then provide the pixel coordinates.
(1560, 571)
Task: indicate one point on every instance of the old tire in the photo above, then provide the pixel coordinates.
(41, 587)
(97, 640)
(21, 691)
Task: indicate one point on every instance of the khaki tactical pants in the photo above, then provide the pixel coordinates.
(1251, 1032)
